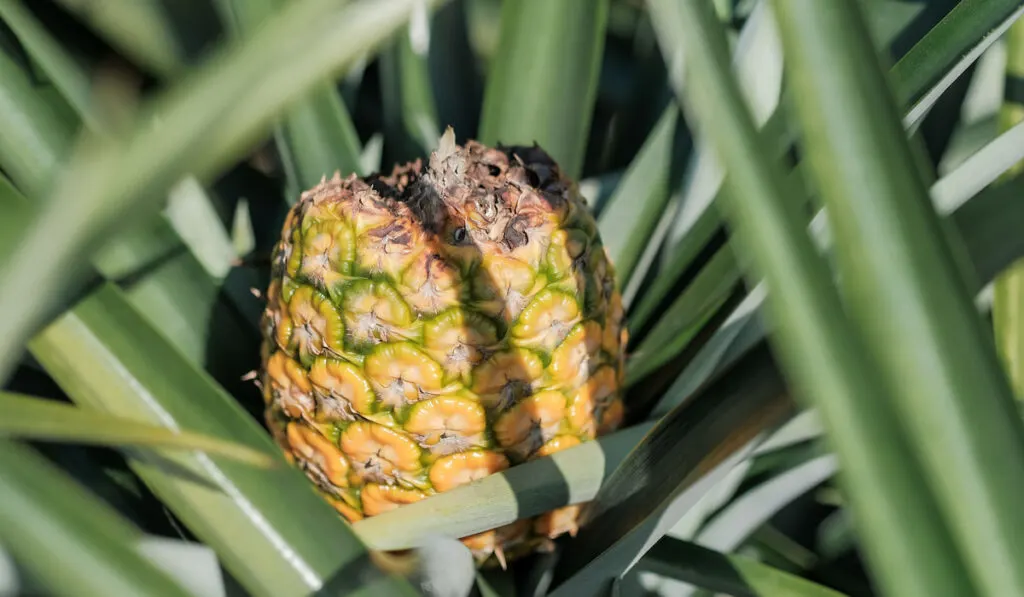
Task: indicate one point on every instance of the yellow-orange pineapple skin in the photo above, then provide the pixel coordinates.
(440, 324)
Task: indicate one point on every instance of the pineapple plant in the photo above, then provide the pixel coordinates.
(447, 399)
(439, 324)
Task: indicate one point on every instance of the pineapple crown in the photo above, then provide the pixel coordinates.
(471, 194)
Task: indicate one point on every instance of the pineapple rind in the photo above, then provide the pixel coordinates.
(440, 324)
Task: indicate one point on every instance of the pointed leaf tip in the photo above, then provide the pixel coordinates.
(446, 146)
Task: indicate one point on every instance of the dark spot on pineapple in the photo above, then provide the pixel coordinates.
(553, 200)
(542, 172)
(513, 393)
(315, 474)
(383, 189)
(532, 177)
(393, 233)
(515, 232)
(435, 266)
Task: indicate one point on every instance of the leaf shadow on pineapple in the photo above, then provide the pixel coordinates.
(439, 324)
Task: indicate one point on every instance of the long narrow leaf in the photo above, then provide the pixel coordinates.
(987, 221)
(65, 73)
(757, 60)
(204, 120)
(749, 512)
(1008, 296)
(906, 293)
(931, 66)
(718, 423)
(972, 176)
(37, 131)
(179, 296)
(266, 525)
(189, 210)
(454, 75)
(924, 72)
(543, 80)
(136, 28)
(316, 139)
(733, 575)
(69, 540)
(817, 349)
(316, 135)
(633, 211)
(37, 418)
(410, 115)
(686, 315)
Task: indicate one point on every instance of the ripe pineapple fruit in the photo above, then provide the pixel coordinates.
(431, 327)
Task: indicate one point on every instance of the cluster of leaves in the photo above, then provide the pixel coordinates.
(150, 148)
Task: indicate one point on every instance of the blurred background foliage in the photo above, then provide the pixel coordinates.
(149, 150)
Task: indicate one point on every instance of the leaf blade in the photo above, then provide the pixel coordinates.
(45, 516)
(630, 215)
(202, 125)
(896, 254)
(177, 291)
(104, 355)
(731, 574)
(924, 72)
(541, 42)
(66, 75)
(958, 38)
(136, 28)
(37, 418)
(1008, 292)
(813, 343)
(316, 135)
(411, 124)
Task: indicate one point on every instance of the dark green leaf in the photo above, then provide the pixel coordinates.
(496, 583)
(543, 80)
(985, 215)
(47, 519)
(138, 28)
(734, 575)
(67, 75)
(948, 49)
(988, 225)
(197, 126)
(810, 335)
(316, 136)
(316, 139)
(686, 315)
(188, 209)
(1008, 291)
(177, 295)
(925, 72)
(38, 127)
(634, 210)
(748, 512)
(903, 280)
(675, 460)
(410, 116)
(454, 72)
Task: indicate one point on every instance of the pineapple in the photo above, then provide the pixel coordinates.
(438, 325)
